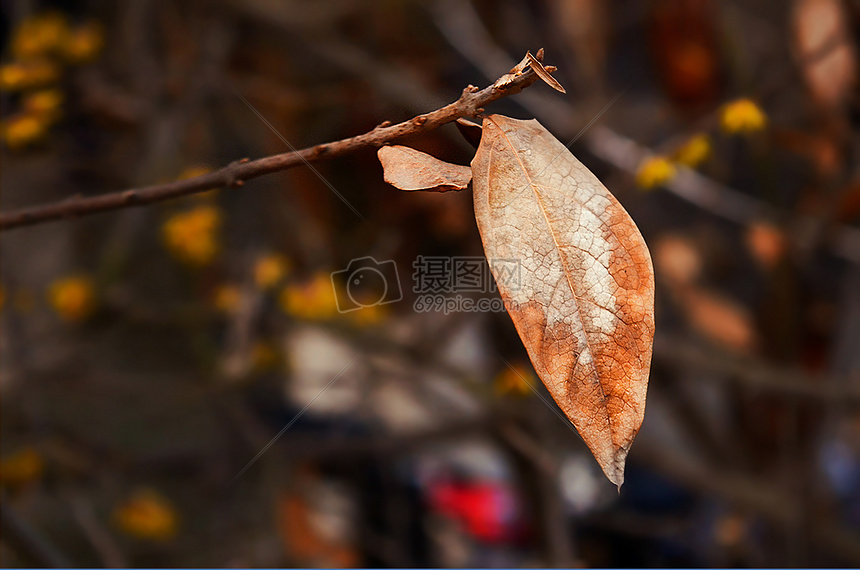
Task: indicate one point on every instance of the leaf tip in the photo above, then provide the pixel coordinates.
(543, 73)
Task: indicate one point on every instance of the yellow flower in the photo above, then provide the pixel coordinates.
(39, 35)
(742, 116)
(21, 467)
(227, 298)
(44, 104)
(23, 130)
(27, 74)
(148, 515)
(655, 171)
(192, 236)
(313, 300)
(269, 270)
(695, 151)
(73, 298)
(518, 380)
(83, 44)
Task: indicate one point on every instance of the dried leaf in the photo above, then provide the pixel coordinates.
(824, 49)
(543, 73)
(535, 63)
(678, 260)
(767, 243)
(584, 305)
(409, 169)
(517, 70)
(720, 319)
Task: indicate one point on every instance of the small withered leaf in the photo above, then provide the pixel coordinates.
(825, 50)
(505, 80)
(543, 73)
(409, 169)
(583, 303)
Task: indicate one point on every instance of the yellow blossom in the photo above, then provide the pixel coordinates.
(192, 236)
(695, 151)
(655, 171)
(21, 467)
(21, 75)
(44, 104)
(518, 380)
(742, 116)
(148, 515)
(312, 300)
(23, 130)
(269, 270)
(227, 298)
(39, 35)
(73, 298)
(83, 43)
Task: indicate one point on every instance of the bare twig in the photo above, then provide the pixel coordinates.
(711, 196)
(754, 374)
(752, 493)
(470, 104)
(28, 542)
(102, 542)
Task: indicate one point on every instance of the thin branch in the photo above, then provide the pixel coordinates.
(28, 541)
(756, 375)
(709, 195)
(752, 493)
(470, 104)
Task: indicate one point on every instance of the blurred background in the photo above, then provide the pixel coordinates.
(149, 356)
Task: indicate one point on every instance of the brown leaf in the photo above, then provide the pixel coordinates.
(535, 63)
(720, 319)
(678, 260)
(543, 73)
(517, 70)
(767, 243)
(824, 49)
(409, 169)
(584, 304)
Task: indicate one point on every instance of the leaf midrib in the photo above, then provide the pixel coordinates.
(567, 274)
